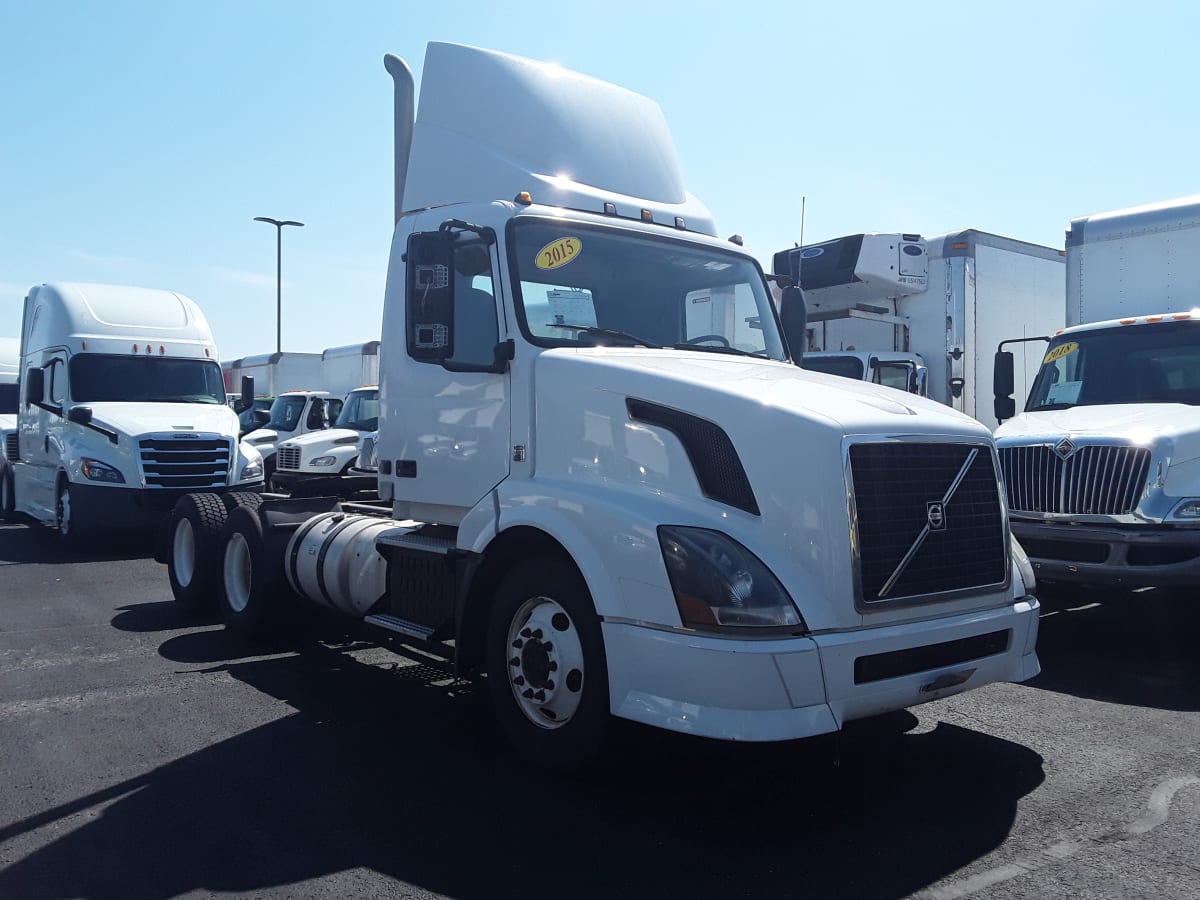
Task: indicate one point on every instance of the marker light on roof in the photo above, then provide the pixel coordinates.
(680, 223)
(610, 209)
(647, 216)
(1154, 318)
(1128, 321)
(524, 198)
(1186, 315)
(135, 348)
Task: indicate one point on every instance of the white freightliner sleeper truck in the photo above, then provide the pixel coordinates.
(122, 410)
(1102, 465)
(10, 355)
(332, 452)
(925, 314)
(599, 507)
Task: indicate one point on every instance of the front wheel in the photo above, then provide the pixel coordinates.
(546, 671)
(6, 493)
(66, 524)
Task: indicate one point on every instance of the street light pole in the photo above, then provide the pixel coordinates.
(278, 274)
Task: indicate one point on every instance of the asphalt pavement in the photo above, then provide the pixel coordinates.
(144, 754)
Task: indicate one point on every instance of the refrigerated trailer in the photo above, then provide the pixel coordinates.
(882, 306)
(578, 502)
(1102, 465)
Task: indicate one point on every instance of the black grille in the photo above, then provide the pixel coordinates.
(896, 488)
(185, 463)
(1094, 480)
(10, 446)
(911, 660)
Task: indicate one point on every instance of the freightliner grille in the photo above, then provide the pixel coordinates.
(1094, 480)
(287, 458)
(10, 446)
(929, 519)
(189, 463)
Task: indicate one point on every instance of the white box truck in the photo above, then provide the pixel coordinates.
(350, 367)
(122, 410)
(578, 500)
(1102, 465)
(277, 373)
(882, 306)
(10, 354)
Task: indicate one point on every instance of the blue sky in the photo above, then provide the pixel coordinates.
(141, 138)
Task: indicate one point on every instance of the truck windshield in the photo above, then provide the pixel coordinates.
(100, 377)
(1141, 363)
(846, 366)
(8, 398)
(286, 413)
(361, 412)
(584, 285)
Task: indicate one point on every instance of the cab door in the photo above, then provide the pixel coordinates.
(446, 440)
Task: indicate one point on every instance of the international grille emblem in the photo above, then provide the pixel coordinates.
(935, 513)
(1065, 448)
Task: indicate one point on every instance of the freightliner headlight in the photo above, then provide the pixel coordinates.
(719, 585)
(1024, 566)
(252, 471)
(94, 470)
(323, 461)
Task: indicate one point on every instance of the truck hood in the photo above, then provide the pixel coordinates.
(789, 429)
(324, 438)
(1175, 424)
(143, 418)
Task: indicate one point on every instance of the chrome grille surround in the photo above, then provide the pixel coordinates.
(184, 460)
(1075, 477)
(287, 458)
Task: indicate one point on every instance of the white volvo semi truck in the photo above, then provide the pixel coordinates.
(609, 503)
(1103, 463)
(122, 410)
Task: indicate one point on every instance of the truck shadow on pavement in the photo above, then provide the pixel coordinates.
(37, 544)
(396, 768)
(1136, 649)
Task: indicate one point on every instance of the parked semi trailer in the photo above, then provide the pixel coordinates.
(925, 314)
(1102, 465)
(577, 499)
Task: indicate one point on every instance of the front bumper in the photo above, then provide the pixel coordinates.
(94, 507)
(773, 690)
(1129, 557)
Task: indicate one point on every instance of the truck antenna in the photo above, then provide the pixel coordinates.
(800, 256)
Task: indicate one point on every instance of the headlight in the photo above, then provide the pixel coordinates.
(252, 471)
(1188, 510)
(721, 585)
(94, 470)
(323, 461)
(349, 439)
(1023, 566)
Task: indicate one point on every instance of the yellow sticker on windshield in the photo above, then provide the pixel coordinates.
(1060, 351)
(558, 253)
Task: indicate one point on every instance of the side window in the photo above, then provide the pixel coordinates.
(893, 375)
(475, 328)
(56, 378)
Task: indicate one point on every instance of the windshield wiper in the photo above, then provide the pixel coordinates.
(717, 348)
(1049, 406)
(608, 332)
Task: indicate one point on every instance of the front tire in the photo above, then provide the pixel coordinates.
(193, 534)
(250, 582)
(546, 671)
(7, 503)
(66, 525)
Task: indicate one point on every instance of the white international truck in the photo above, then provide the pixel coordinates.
(600, 509)
(925, 314)
(122, 410)
(1102, 465)
(10, 354)
(292, 414)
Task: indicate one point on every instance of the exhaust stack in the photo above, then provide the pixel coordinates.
(402, 78)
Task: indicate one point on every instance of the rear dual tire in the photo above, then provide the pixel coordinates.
(251, 585)
(194, 543)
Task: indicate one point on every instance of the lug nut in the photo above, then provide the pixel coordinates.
(553, 667)
(537, 634)
(518, 643)
(519, 680)
(547, 646)
(527, 693)
(525, 632)
(515, 661)
(540, 695)
(549, 685)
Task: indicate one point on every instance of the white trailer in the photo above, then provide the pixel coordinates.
(123, 410)
(948, 300)
(1101, 464)
(277, 373)
(10, 354)
(578, 499)
(350, 367)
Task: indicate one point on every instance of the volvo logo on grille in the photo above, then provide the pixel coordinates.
(935, 514)
(1065, 448)
(186, 437)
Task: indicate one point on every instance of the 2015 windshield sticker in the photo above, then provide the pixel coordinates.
(1060, 351)
(559, 252)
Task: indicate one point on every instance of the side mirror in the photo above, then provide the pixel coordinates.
(1003, 385)
(262, 416)
(247, 399)
(921, 381)
(35, 385)
(80, 415)
(429, 295)
(794, 317)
